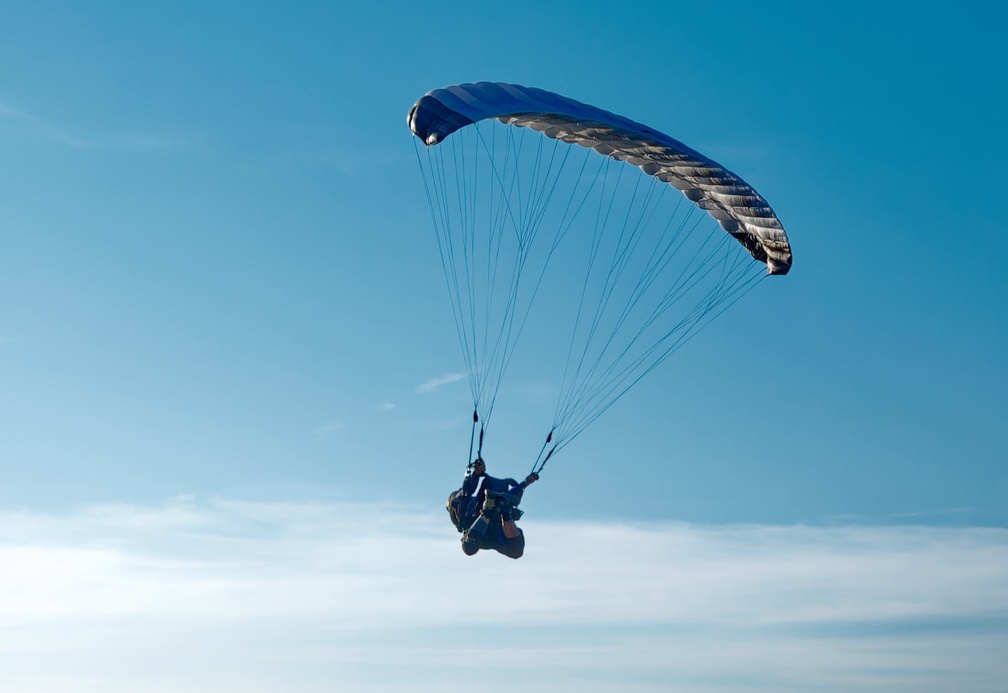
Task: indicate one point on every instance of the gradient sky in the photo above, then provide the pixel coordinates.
(230, 395)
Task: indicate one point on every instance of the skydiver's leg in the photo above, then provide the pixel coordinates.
(514, 541)
(510, 499)
(510, 528)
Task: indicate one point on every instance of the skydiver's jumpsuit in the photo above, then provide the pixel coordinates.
(472, 512)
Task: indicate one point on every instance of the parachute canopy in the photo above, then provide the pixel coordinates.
(633, 273)
(739, 209)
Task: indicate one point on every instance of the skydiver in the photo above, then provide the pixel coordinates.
(486, 515)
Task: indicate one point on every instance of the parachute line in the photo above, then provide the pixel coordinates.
(621, 209)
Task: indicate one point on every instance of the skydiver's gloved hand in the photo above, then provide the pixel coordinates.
(530, 479)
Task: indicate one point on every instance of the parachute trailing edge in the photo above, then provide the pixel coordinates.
(738, 208)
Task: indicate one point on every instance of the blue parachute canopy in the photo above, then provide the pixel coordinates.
(739, 209)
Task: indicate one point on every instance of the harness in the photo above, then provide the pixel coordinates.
(537, 467)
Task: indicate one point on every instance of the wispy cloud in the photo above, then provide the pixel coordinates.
(933, 513)
(330, 427)
(48, 130)
(144, 142)
(385, 406)
(434, 383)
(346, 158)
(229, 595)
(44, 129)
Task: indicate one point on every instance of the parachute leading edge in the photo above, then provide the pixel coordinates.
(738, 208)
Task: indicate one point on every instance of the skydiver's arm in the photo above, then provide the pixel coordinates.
(470, 483)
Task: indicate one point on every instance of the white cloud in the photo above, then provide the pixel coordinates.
(435, 383)
(385, 406)
(229, 595)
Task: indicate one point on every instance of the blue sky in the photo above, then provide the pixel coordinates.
(223, 323)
